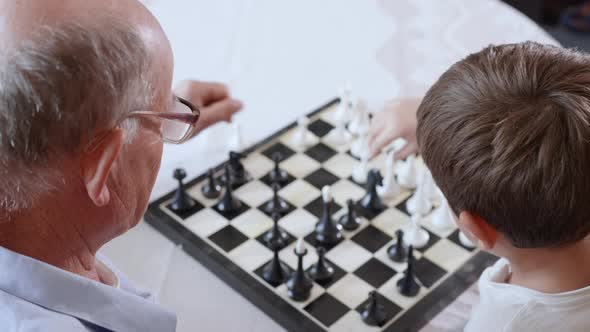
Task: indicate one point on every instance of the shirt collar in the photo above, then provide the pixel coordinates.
(73, 295)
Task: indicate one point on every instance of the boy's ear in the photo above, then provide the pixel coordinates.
(477, 230)
(97, 163)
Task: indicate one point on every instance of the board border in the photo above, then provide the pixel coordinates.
(271, 303)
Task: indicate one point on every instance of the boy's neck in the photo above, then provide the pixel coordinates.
(552, 270)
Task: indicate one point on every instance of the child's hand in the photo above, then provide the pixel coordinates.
(397, 120)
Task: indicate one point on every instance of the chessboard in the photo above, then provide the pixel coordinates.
(232, 239)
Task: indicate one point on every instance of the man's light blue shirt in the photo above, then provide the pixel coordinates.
(35, 296)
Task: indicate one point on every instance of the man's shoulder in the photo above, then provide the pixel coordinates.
(19, 315)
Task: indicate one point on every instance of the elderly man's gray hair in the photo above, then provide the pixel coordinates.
(56, 90)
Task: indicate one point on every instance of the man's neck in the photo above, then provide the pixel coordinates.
(552, 270)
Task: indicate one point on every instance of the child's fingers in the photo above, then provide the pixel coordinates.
(407, 150)
(380, 141)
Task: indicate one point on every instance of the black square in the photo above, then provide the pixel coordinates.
(316, 207)
(185, 214)
(427, 272)
(454, 237)
(320, 128)
(266, 180)
(281, 148)
(290, 239)
(320, 152)
(259, 271)
(321, 178)
(375, 272)
(390, 308)
(327, 309)
(231, 215)
(228, 238)
(338, 274)
(310, 238)
(371, 238)
(291, 208)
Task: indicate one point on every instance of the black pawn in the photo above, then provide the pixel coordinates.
(211, 189)
(373, 313)
(275, 272)
(397, 251)
(181, 201)
(228, 202)
(299, 284)
(276, 238)
(350, 221)
(407, 285)
(321, 270)
(277, 174)
(276, 204)
(327, 232)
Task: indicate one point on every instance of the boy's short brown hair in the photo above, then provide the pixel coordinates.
(506, 134)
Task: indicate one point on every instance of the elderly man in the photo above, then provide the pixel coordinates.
(85, 105)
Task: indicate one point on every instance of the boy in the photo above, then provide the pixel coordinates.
(506, 134)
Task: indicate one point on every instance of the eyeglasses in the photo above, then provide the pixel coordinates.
(177, 126)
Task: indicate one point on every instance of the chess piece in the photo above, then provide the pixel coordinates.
(417, 236)
(442, 218)
(371, 201)
(299, 284)
(302, 138)
(360, 171)
(390, 188)
(228, 202)
(350, 221)
(431, 191)
(276, 238)
(397, 252)
(236, 142)
(327, 232)
(373, 313)
(360, 122)
(277, 174)
(465, 241)
(237, 175)
(181, 201)
(408, 285)
(342, 114)
(275, 272)
(406, 175)
(338, 135)
(321, 270)
(360, 146)
(276, 204)
(419, 203)
(211, 189)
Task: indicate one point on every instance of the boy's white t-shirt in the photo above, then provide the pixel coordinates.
(506, 307)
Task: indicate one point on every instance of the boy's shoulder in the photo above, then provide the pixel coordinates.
(506, 307)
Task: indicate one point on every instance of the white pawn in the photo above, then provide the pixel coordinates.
(342, 114)
(465, 240)
(431, 191)
(339, 135)
(360, 172)
(360, 122)
(419, 202)
(416, 236)
(390, 187)
(360, 145)
(406, 175)
(236, 142)
(302, 137)
(442, 218)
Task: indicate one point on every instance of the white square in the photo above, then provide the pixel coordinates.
(350, 290)
(349, 255)
(254, 193)
(250, 255)
(288, 256)
(257, 165)
(344, 190)
(341, 165)
(252, 223)
(389, 290)
(352, 322)
(391, 220)
(299, 223)
(205, 222)
(447, 255)
(300, 165)
(329, 114)
(299, 193)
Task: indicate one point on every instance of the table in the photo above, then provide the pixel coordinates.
(284, 58)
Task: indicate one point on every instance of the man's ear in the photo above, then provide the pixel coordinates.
(97, 164)
(477, 230)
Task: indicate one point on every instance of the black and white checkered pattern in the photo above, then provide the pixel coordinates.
(360, 259)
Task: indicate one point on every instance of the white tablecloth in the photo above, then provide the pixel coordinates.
(284, 58)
